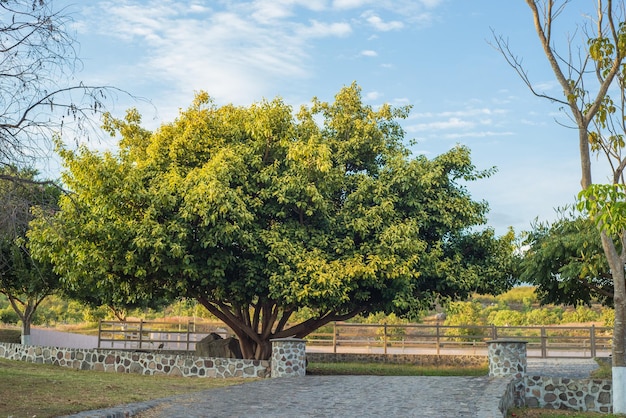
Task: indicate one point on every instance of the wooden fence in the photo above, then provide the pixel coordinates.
(343, 337)
(543, 341)
(154, 335)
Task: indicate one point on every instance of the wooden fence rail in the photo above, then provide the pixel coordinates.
(154, 335)
(343, 337)
(543, 341)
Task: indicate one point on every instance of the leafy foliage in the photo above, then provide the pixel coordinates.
(257, 212)
(24, 281)
(514, 308)
(566, 262)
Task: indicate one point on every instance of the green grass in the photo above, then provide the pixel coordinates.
(40, 390)
(385, 369)
(604, 370)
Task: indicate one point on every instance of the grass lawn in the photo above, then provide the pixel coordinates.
(28, 390)
(385, 369)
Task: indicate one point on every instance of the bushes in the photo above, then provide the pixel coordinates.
(582, 313)
(8, 316)
(518, 307)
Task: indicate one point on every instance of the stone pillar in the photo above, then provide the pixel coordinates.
(288, 357)
(507, 358)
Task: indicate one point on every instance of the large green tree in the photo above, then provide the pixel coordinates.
(259, 211)
(24, 281)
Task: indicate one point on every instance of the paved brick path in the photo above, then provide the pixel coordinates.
(348, 396)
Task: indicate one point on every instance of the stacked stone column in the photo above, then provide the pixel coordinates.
(288, 357)
(507, 358)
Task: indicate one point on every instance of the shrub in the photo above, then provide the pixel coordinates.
(607, 317)
(464, 313)
(8, 316)
(521, 295)
(393, 333)
(506, 317)
(582, 313)
(543, 316)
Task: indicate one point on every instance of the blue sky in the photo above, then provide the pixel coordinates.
(432, 54)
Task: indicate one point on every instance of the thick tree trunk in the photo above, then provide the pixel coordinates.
(25, 339)
(255, 333)
(25, 315)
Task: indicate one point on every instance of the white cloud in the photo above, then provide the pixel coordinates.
(231, 53)
(477, 134)
(451, 123)
(380, 25)
(349, 4)
(431, 4)
(321, 30)
(267, 11)
(238, 51)
(372, 95)
(458, 113)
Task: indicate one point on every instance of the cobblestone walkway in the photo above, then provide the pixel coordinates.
(349, 396)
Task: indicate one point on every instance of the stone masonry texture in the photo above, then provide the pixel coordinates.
(146, 363)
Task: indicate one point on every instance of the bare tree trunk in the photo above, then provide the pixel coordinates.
(619, 297)
(616, 264)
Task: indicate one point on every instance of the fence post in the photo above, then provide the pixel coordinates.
(188, 332)
(99, 331)
(140, 332)
(335, 337)
(592, 340)
(438, 338)
(385, 337)
(494, 332)
(544, 343)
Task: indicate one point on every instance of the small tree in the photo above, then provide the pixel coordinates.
(599, 120)
(566, 262)
(25, 282)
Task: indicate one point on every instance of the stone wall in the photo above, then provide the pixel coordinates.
(592, 395)
(288, 357)
(507, 358)
(416, 359)
(146, 363)
(507, 400)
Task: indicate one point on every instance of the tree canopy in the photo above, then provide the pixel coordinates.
(566, 263)
(259, 211)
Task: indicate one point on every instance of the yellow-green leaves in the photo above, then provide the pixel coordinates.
(606, 205)
(245, 206)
